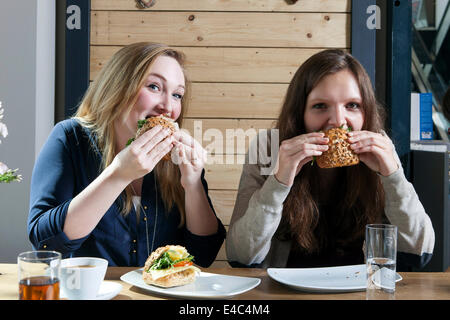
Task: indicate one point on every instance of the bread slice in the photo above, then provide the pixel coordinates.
(161, 120)
(339, 153)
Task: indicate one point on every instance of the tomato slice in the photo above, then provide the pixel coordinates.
(184, 263)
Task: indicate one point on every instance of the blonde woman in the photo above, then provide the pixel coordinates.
(92, 195)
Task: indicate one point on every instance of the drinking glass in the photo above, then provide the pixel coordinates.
(381, 258)
(39, 274)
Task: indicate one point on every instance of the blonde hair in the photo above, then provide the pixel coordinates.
(114, 93)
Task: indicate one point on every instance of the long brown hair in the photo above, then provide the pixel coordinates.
(114, 93)
(359, 198)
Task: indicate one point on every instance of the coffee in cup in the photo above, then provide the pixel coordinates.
(82, 277)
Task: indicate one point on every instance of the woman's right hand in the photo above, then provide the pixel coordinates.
(142, 155)
(294, 153)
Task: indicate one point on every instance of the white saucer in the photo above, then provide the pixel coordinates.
(107, 291)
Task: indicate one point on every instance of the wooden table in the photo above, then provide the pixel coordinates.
(414, 286)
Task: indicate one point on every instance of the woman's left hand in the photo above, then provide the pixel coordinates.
(190, 157)
(375, 150)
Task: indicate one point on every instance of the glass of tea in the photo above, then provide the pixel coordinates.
(39, 275)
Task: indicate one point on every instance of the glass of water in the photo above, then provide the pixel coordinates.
(381, 258)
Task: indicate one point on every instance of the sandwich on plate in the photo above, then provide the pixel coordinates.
(170, 266)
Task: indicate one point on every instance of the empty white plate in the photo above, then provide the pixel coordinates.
(206, 286)
(331, 279)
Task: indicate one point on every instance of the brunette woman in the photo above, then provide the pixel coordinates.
(303, 216)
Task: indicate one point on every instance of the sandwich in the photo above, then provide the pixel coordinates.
(169, 266)
(339, 153)
(151, 122)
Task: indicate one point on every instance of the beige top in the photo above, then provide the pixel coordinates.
(259, 205)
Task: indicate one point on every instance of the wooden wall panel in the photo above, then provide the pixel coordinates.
(223, 203)
(231, 135)
(226, 100)
(307, 30)
(222, 254)
(260, 65)
(229, 5)
(241, 56)
(223, 176)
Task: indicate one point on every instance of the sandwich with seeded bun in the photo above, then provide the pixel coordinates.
(151, 122)
(339, 153)
(169, 266)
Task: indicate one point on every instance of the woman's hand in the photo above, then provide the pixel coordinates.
(375, 150)
(142, 155)
(295, 152)
(190, 157)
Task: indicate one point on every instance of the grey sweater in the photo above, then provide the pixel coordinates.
(258, 210)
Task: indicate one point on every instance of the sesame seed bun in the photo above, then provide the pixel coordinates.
(339, 153)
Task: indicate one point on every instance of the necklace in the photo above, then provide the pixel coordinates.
(146, 220)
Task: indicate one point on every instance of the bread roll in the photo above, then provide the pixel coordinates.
(158, 253)
(152, 122)
(171, 280)
(339, 153)
(173, 276)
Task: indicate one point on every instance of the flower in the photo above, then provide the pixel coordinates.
(6, 175)
(3, 128)
(3, 168)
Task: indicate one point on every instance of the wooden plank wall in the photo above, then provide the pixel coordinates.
(241, 56)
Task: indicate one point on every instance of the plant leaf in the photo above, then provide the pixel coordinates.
(141, 123)
(10, 176)
(129, 141)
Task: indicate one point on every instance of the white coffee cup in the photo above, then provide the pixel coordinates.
(81, 277)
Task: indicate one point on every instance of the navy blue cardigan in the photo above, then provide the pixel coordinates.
(67, 164)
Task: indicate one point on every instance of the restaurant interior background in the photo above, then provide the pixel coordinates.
(241, 57)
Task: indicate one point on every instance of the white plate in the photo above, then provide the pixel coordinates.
(332, 279)
(206, 286)
(107, 291)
